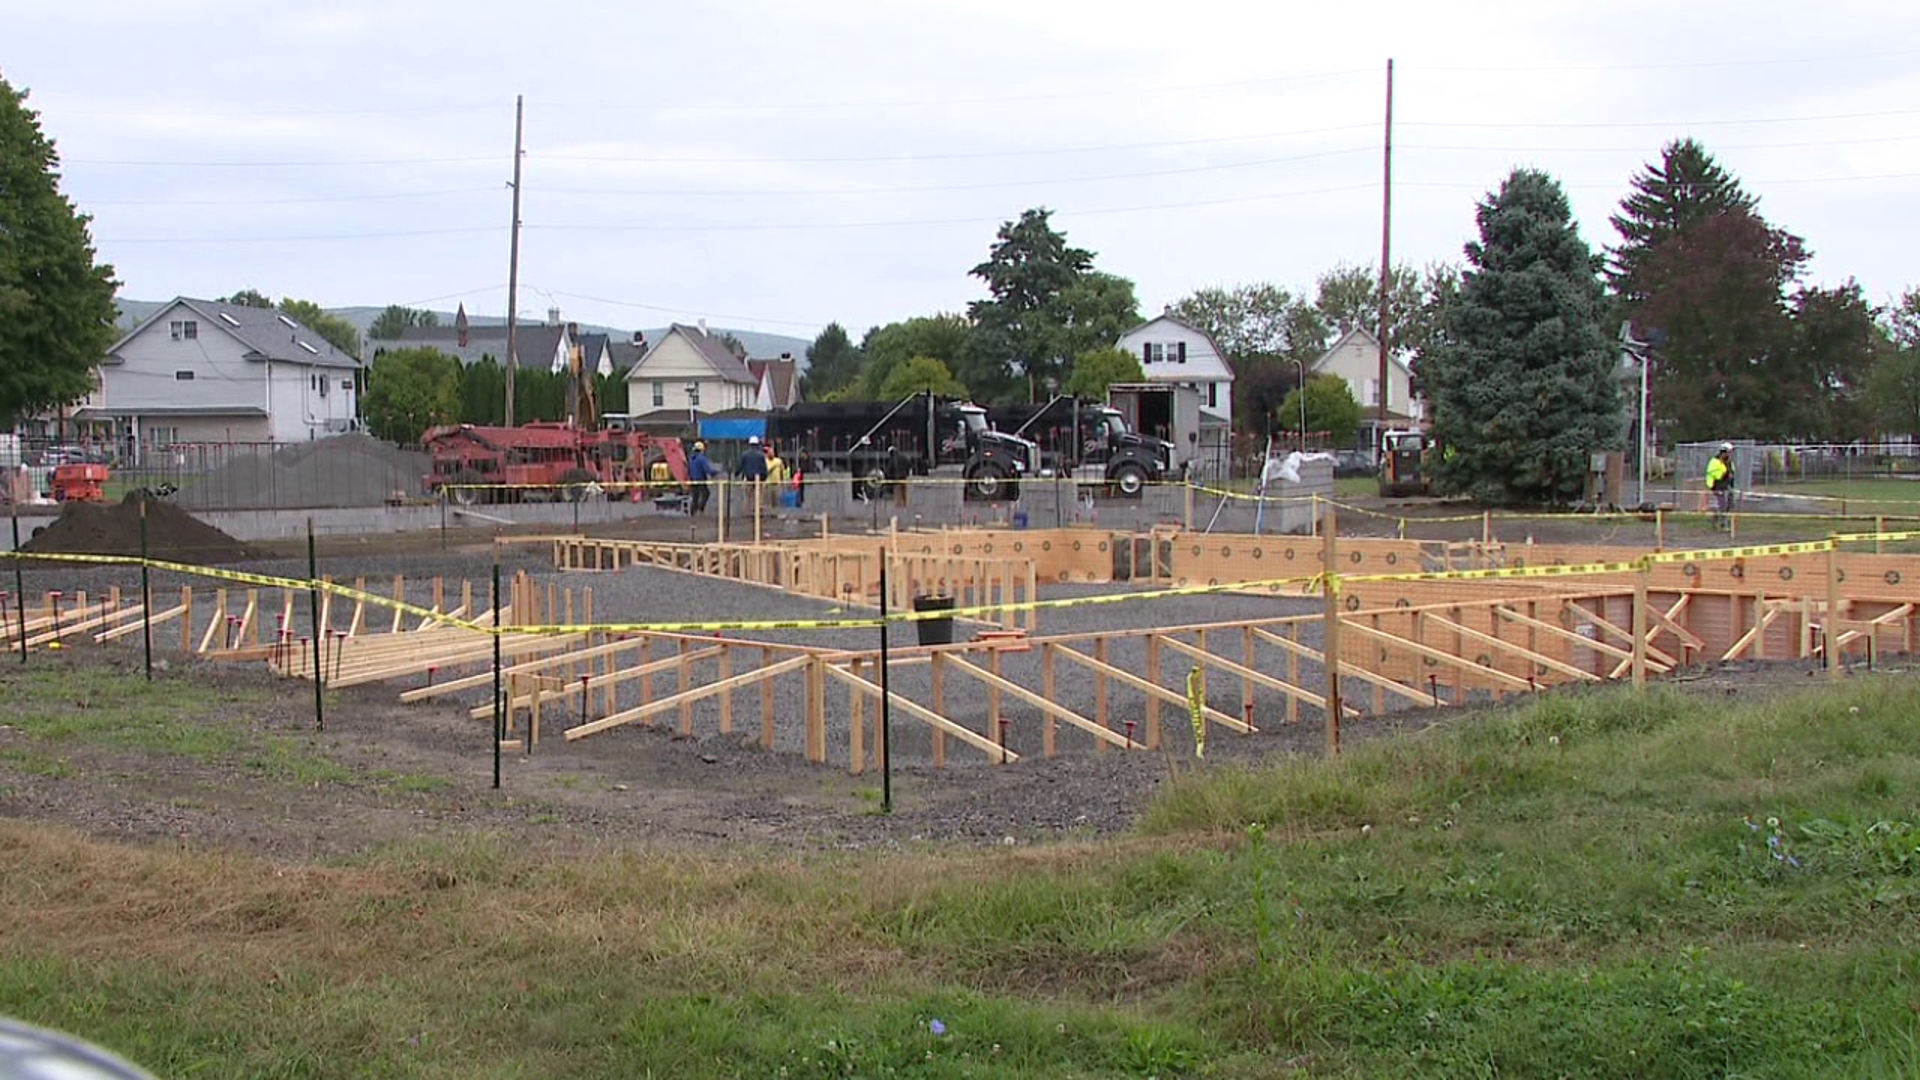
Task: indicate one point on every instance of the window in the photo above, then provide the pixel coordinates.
(313, 381)
(184, 329)
(659, 394)
(1373, 391)
(346, 384)
(1213, 395)
(183, 376)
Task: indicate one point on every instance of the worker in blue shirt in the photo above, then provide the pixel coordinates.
(700, 477)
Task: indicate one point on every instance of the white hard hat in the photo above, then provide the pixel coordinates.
(753, 440)
(1726, 446)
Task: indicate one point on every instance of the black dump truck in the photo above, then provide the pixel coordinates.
(880, 444)
(1090, 442)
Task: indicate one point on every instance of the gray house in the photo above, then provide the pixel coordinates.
(200, 371)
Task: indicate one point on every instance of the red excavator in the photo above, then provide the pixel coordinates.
(548, 460)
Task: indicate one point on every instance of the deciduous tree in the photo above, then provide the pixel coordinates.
(1097, 369)
(1028, 267)
(56, 301)
(252, 298)
(943, 337)
(388, 325)
(1521, 378)
(1331, 410)
(410, 390)
(832, 362)
(1252, 322)
(337, 331)
(918, 375)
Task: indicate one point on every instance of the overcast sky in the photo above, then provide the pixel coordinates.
(774, 166)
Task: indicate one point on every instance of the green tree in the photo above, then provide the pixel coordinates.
(1685, 188)
(1254, 323)
(832, 362)
(337, 331)
(56, 301)
(1522, 377)
(1349, 296)
(1017, 336)
(921, 374)
(1892, 389)
(1704, 276)
(483, 393)
(252, 298)
(1091, 314)
(942, 337)
(409, 391)
(1097, 369)
(1331, 410)
(1837, 338)
(390, 322)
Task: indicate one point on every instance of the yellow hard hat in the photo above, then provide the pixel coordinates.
(699, 446)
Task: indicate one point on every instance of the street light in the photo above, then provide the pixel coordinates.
(1629, 347)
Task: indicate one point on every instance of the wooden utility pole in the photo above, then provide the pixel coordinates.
(1386, 244)
(513, 257)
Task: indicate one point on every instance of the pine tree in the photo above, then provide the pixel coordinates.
(1687, 187)
(56, 302)
(1521, 375)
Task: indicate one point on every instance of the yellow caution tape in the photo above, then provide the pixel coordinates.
(1197, 708)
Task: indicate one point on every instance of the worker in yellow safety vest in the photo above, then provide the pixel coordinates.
(1720, 485)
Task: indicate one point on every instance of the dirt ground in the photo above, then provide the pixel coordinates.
(382, 772)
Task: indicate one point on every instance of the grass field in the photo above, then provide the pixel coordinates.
(1595, 885)
(1876, 494)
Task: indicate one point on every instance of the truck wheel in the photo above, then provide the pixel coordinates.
(1129, 480)
(463, 493)
(576, 481)
(987, 484)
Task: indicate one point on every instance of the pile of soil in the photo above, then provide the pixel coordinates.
(355, 469)
(114, 529)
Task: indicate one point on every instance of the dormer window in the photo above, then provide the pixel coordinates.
(184, 329)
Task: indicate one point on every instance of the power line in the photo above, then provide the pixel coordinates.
(160, 163)
(1663, 123)
(1676, 65)
(290, 239)
(966, 187)
(1642, 149)
(291, 201)
(685, 311)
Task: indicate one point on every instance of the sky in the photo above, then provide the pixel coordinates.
(776, 166)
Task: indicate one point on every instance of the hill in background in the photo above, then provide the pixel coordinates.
(759, 344)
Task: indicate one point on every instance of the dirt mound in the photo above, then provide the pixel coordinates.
(344, 470)
(114, 529)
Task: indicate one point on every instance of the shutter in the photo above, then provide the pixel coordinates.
(1183, 352)
(1146, 353)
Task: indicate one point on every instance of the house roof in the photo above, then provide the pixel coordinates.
(267, 333)
(724, 363)
(1366, 336)
(537, 343)
(1185, 325)
(782, 377)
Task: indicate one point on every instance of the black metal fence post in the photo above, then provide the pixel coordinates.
(19, 580)
(499, 717)
(146, 592)
(313, 606)
(886, 700)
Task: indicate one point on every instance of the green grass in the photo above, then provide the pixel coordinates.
(1874, 494)
(1355, 487)
(1586, 885)
(63, 707)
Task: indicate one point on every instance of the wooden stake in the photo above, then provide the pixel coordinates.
(1640, 628)
(1330, 621)
(1834, 604)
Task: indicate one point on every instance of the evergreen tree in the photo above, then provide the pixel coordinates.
(56, 302)
(483, 393)
(832, 362)
(1687, 187)
(395, 319)
(1521, 376)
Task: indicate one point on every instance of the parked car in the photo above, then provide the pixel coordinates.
(1353, 463)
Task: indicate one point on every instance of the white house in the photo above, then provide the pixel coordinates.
(689, 371)
(1178, 352)
(1355, 357)
(199, 371)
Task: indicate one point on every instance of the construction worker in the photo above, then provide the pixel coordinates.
(1720, 485)
(753, 463)
(700, 477)
(776, 470)
(660, 477)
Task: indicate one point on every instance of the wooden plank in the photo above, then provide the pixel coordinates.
(1038, 701)
(643, 671)
(133, 627)
(1128, 678)
(1499, 644)
(642, 712)
(1418, 697)
(940, 724)
(453, 686)
(1561, 633)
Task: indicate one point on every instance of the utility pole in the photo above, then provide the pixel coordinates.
(513, 263)
(1386, 245)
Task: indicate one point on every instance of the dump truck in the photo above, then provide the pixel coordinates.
(1169, 412)
(880, 444)
(1091, 443)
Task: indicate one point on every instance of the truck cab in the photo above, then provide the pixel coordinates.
(1090, 442)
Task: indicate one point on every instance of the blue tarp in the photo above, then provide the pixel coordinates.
(735, 429)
